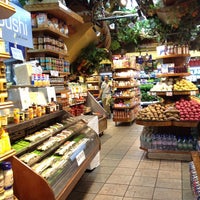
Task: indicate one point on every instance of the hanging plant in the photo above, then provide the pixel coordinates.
(89, 60)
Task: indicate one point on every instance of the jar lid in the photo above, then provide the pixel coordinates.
(5, 165)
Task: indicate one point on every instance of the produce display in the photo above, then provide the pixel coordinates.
(185, 109)
(184, 85)
(166, 84)
(188, 109)
(173, 84)
(146, 96)
(156, 112)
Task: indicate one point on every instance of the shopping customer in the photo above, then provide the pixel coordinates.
(105, 95)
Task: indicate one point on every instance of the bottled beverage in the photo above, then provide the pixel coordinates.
(154, 143)
(8, 174)
(5, 140)
(179, 144)
(159, 141)
(174, 143)
(164, 142)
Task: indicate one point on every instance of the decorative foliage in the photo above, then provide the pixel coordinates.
(89, 60)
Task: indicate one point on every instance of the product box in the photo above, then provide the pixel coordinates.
(161, 50)
(23, 73)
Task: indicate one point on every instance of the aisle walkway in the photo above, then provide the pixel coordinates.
(126, 174)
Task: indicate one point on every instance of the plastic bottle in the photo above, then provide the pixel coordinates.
(179, 144)
(159, 141)
(5, 140)
(174, 143)
(164, 142)
(8, 174)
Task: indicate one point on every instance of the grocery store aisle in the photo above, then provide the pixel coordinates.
(126, 174)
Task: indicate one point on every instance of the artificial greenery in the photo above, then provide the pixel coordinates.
(89, 60)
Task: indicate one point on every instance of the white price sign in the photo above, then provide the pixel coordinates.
(17, 54)
(80, 158)
(153, 93)
(54, 73)
(169, 94)
(193, 93)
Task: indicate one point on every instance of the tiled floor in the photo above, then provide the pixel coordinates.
(126, 174)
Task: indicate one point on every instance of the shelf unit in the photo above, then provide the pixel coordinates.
(126, 96)
(93, 84)
(59, 185)
(6, 10)
(179, 127)
(73, 21)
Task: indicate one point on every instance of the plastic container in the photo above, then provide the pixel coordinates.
(8, 174)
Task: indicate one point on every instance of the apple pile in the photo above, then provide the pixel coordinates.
(188, 109)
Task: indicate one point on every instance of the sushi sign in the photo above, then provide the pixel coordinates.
(17, 28)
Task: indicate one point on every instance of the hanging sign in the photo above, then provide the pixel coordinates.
(17, 54)
(17, 28)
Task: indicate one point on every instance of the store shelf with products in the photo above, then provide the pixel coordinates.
(46, 147)
(93, 84)
(194, 170)
(126, 97)
(175, 117)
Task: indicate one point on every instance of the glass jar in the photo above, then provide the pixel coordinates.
(2, 194)
(8, 194)
(8, 174)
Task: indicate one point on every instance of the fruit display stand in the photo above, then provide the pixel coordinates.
(127, 93)
(60, 183)
(162, 128)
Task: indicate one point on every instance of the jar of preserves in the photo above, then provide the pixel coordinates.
(8, 174)
(16, 115)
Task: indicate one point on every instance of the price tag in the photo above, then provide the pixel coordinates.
(54, 73)
(169, 94)
(80, 158)
(153, 93)
(193, 93)
(17, 54)
(63, 95)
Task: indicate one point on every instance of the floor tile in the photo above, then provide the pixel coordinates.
(140, 192)
(110, 162)
(107, 197)
(167, 194)
(113, 189)
(117, 178)
(124, 171)
(143, 181)
(81, 196)
(88, 187)
(95, 177)
(103, 169)
(187, 194)
(147, 172)
(166, 165)
(169, 174)
(129, 163)
(169, 183)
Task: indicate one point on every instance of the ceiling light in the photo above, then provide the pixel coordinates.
(98, 33)
(112, 26)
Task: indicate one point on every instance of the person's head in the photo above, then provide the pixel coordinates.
(106, 78)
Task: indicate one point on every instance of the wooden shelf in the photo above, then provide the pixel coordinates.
(4, 56)
(47, 51)
(8, 104)
(92, 81)
(50, 31)
(154, 123)
(7, 155)
(168, 123)
(125, 87)
(125, 68)
(196, 159)
(6, 10)
(125, 107)
(33, 122)
(123, 97)
(172, 74)
(167, 154)
(122, 77)
(173, 56)
(56, 9)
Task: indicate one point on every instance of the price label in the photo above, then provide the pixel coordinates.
(54, 73)
(193, 93)
(153, 93)
(169, 94)
(17, 54)
(63, 95)
(80, 158)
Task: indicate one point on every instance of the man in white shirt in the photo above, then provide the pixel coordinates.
(105, 95)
